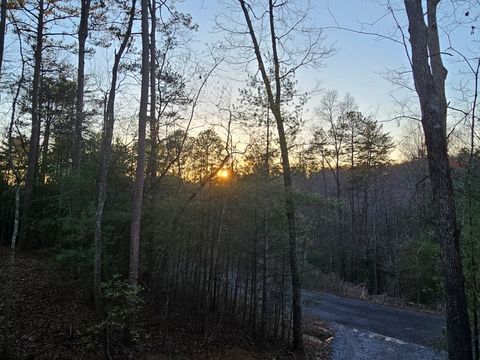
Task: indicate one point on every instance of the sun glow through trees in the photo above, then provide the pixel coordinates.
(223, 174)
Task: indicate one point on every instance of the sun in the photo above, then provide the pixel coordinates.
(223, 174)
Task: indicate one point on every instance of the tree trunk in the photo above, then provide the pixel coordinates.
(210, 266)
(82, 38)
(275, 106)
(227, 274)
(35, 132)
(264, 276)
(153, 161)
(109, 120)
(429, 75)
(292, 237)
(46, 143)
(4, 351)
(3, 25)
(282, 306)
(476, 344)
(140, 171)
(11, 161)
(375, 273)
(245, 297)
(253, 294)
(236, 286)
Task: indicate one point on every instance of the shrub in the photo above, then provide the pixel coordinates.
(122, 303)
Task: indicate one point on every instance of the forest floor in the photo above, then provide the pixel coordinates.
(52, 318)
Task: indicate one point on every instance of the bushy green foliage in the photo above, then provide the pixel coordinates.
(71, 230)
(6, 201)
(467, 188)
(79, 256)
(122, 303)
(420, 274)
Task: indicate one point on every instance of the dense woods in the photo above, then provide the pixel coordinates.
(128, 162)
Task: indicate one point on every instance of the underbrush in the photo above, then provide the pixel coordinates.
(52, 317)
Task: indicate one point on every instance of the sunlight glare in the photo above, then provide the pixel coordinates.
(223, 174)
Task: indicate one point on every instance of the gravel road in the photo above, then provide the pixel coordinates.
(365, 331)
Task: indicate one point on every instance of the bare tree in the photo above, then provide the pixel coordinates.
(140, 171)
(429, 75)
(273, 87)
(10, 293)
(35, 132)
(3, 25)
(332, 141)
(152, 171)
(109, 120)
(82, 39)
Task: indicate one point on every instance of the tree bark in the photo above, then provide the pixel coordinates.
(429, 76)
(45, 145)
(35, 132)
(264, 276)
(10, 293)
(11, 161)
(3, 25)
(153, 161)
(109, 120)
(275, 106)
(82, 39)
(140, 171)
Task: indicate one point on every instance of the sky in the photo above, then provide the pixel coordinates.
(360, 61)
(358, 65)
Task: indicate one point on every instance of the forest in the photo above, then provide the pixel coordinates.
(171, 195)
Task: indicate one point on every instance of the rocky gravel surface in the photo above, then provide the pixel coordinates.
(365, 331)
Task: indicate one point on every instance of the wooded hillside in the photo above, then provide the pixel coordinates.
(132, 171)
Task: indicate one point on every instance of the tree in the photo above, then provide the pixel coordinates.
(56, 111)
(106, 148)
(153, 102)
(176, 153)
(207, 154)
(331, 139)
(429, 76)
(168, 87)
(273, 88)
(373, 147)
(334, 141)
(11, 152)
(373, 143)
(140, 170)
(3, 25)
(46, 14)
(82, 39)
(35, 132)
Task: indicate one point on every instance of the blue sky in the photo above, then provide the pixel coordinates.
(356, 67)
(360, 60)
